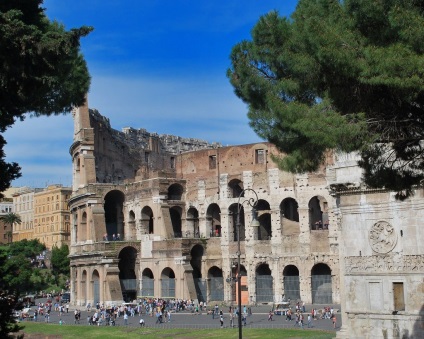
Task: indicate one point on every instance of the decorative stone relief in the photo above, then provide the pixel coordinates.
(382, 237)
(385, 263)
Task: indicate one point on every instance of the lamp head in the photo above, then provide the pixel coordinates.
(255, 222)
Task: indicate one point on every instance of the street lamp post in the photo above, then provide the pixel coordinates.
(252, 202)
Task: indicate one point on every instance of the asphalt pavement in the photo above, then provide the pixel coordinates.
(187, 319)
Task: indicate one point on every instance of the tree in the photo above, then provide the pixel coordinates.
(29, 248)
(10, 219)
(8, 324)
(60, 261)
(42, 70)
(339, 75)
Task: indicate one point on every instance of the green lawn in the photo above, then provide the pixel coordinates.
(72, 332)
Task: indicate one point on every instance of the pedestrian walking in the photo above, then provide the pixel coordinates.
(334, 321)
(221, 320)
(310, 321)
(270, 316)
(126, 318)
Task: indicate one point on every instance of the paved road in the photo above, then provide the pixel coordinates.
(258, 319)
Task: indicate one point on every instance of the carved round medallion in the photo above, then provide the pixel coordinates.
(382, 237)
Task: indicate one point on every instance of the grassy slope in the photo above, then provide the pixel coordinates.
(88, 332)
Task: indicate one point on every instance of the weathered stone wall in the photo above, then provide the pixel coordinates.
(211, 180)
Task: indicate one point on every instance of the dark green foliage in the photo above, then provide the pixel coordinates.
(28, 248)
(8, 324)
(59, 261)
(42, 70)
(339, 75)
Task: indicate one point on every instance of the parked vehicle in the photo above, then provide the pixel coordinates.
(65, 298)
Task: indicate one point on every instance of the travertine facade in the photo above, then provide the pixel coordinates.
(174, 202)
(381, 258)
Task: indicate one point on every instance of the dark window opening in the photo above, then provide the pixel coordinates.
(212, 161)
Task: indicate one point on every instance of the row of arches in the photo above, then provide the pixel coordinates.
(212, 288)
(115, 219)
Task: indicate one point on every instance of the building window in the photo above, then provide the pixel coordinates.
(212, 161)
(398, 296)
(172, 162)
(146, 157)
(260, 156)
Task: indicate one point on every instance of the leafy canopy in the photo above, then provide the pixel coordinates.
(59, 261)
(42, 70)
(339, 75)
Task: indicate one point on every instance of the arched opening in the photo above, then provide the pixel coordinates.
(175, 213)
(147, 220)
(75, 228)
(196, 263)
(83, 294)
(114, 216)
(322, 292)
(289, 209)
(291, 282)
(233, 210)
(192, 223)
(216, 284)
(175, 192)
(235, 187)
(168, 283)
(213, 220)
(131, 226)
(318, 213)
(127, 277)
(147, 283)
(264, 217)
(83, 232)
(95, 278)
(264, 284)
(289, 217)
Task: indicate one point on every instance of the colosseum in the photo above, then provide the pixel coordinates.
(171, 217)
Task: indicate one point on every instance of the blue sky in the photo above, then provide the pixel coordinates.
(158, 65)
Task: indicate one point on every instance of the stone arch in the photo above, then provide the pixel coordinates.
(216, 284)
(95, 280)
(114, 216)
(84, 227)
(131, 229)
(197, 253)
(264, 284)
(175, 213)
(235, 188)
(318, 213)
(127, 276)
(289, 216)
(192, 223)
(147, 283)
(175, 192)
(84, 282)
(213, 220)
(147, 223)
(232, 212)
(264, 217)
(75, 235)
(321, 284)
(291, 282)
(167, 283)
